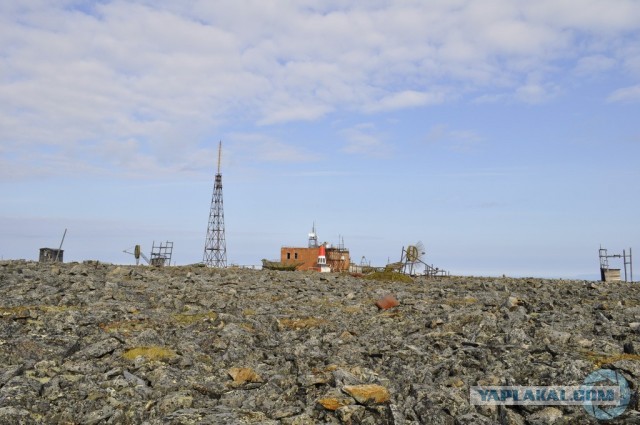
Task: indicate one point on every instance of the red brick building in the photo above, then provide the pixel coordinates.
(337, 258)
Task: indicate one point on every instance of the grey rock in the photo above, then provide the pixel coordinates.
(134, 379)
(14, 415)
(67, 331)
(98, 349)
(548, 415)
(147, 337)
(351, 414)
(303, 419)
(20, 391)
(85, 367)
(474, 419)
(98, 416)
(427, 411)
(629, 348)
(9, 372)
(507, 416)
(175, 401)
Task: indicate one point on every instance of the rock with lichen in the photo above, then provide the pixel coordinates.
(100, 344)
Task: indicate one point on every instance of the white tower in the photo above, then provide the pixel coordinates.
(313, 238)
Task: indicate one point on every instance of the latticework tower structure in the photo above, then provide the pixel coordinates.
(215, 247)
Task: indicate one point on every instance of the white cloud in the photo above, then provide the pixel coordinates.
(591, 15)
(405, 99)
(292, 112)
(533, 92)
(491, 98)
(258, 147)
(463, 141)
(594, 64)
(165, 74)
(626, 94)
(364, 139)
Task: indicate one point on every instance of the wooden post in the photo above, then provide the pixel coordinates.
(59, 248)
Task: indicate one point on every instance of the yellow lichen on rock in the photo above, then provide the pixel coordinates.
(188, 319)
(151, 353)
(242, 375)
(368, 393)
(334, 403)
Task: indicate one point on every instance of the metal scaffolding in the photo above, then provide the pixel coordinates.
(215, 248)
(160, 254)
(608, 274)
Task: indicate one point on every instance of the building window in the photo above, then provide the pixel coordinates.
(288, 256)
(296, 255)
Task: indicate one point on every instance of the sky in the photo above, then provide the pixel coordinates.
(502, 134)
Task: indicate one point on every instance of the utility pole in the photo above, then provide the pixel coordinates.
(215, 247)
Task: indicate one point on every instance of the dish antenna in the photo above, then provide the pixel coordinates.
(412, 255)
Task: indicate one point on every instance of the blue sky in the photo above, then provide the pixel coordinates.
(502, 134)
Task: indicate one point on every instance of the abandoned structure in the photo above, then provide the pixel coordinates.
(160, 254)
(49, 255)
(608, 274)
(319, 257)
(52, 255)
(412, 257)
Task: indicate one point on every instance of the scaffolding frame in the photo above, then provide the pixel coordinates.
(627, 260)
(161, 254)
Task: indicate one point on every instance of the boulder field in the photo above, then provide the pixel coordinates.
(91, 343)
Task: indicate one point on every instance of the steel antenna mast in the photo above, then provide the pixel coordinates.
(215, 248)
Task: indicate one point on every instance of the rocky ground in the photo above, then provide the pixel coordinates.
(102, 344)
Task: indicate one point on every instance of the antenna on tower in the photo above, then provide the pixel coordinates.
(313, 237)
(215, 247)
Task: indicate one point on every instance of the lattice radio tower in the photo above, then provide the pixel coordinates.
(215, 248)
